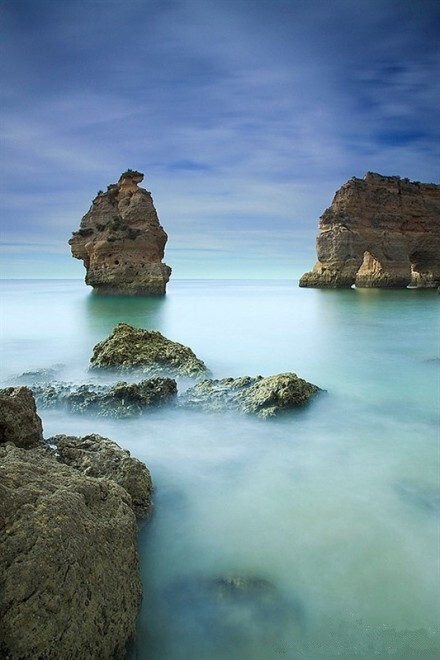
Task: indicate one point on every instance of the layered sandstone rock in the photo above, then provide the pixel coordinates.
(69, 570)
(121, 241)
(380, 231)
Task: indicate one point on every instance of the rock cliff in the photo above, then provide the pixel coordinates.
(121, 241)
(380, 231)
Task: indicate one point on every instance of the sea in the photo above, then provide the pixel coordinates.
(313, 535)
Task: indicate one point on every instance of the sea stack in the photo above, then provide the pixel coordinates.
(121, 241)
(381, 232)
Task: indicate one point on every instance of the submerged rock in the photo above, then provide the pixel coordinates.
(265, 397)
(147, 351)
(380, 231)
(19, 422)
(119, 400)
(234, 614)
(69, 570)
(96, 456)
(39, 375)
(121, 241)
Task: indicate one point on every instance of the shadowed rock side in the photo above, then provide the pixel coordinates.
(121, 241)
(69, 570)
(264, 397)
(382, 232)
(147, 351)
(119, 400)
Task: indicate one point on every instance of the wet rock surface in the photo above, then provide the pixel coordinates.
(96, 456)
(121, 241)
(264, 397)
(19, 422)
(382, 232)
(69, 570)
(147, 351)
(119, 400)
(69, 575)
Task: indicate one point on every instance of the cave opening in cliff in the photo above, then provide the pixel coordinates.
(422, 264)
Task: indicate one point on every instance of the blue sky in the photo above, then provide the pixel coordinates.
(245, 115)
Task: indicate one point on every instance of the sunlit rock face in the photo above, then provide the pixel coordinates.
(380, 231)
(121, 241)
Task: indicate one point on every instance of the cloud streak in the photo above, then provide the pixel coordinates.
(244, 115)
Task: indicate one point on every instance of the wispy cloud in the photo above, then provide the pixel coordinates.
(246, 117)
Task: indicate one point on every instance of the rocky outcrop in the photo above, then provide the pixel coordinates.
(69, 574)
(19, 422)
(264, 397)
(69, 571)
(380, 231)
(96, 456)
(119, 400)
(121, 241)
(146, 351)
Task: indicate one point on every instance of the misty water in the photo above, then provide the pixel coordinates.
(332, 510)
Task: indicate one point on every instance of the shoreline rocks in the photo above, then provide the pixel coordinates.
(119, 400)
(121, 241)
(264, 397)
(379, 232)
(69, 570)
(147, 351)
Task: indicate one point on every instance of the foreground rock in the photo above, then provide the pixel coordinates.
(380, 231)
(19, 422)
(96, 456)
(119, 400)
(69, 570)
(121, 241)
(147, 351)
(265, 397)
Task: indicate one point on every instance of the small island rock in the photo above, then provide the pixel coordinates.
(264, 397)
(121, 241)
(380, 231)
(147, 351)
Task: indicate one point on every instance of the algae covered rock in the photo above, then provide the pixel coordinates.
(119, 400)
(19, 422)
(264, 397)
(96, 456)
(145, 350)
(69, 574)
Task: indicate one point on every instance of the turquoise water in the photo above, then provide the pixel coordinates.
(336, 506)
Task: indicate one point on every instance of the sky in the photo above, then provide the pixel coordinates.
(246, 116)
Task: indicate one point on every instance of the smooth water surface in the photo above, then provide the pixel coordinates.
(335, 506)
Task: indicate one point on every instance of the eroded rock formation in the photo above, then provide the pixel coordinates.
(121, 241)
(69, 570)
(380, 231)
